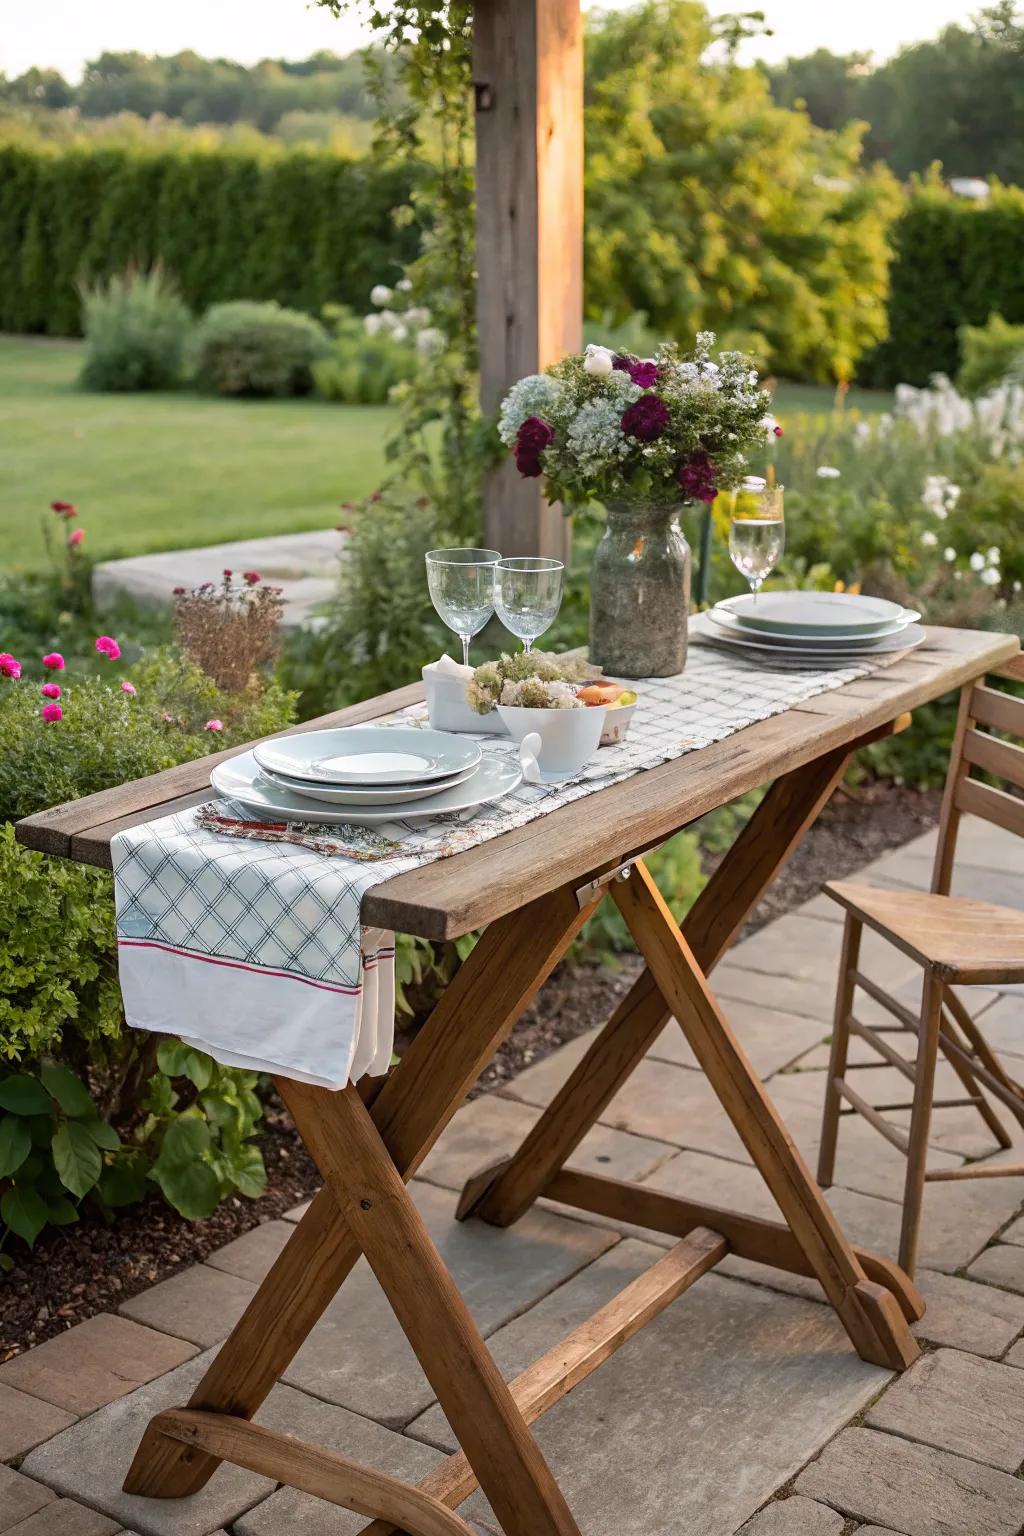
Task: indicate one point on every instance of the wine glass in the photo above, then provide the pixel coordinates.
(461, 586)
(528, 595)
(757, 530)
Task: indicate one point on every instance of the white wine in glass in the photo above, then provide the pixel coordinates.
(461, 586)
(757, 531)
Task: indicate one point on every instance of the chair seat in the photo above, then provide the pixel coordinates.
(961, 940)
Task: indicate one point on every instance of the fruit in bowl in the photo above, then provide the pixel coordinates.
(619, 701)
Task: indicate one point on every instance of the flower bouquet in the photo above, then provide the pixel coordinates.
(645, 436)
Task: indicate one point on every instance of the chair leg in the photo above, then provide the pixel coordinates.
(840, 1044)
(920, 1119)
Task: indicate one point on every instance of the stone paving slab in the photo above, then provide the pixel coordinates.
(771, 1038)
(27, 1421)
(964, 1315)
(1003, 1024)
(94, 1362)
(66, 1517)
(957, 1222)
(486, 1128)
(802, 949)
(526, 1338)
(201, 1304)
(796, 1516)
(1003, 1263)
(358, 1357)
(957, 1402)
(912, 1488)
(705, 1414)
(20, 1497)
(251, 1255)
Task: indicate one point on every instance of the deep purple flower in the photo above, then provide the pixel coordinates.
(646, 418)
(696, 477)
(532, 438)
(644, 374)
(623, 361)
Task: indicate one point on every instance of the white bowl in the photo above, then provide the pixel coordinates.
(568, 737)
(616, 723)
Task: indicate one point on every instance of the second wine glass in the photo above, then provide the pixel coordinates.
(461, 586)
(528, 595)
(757, 531)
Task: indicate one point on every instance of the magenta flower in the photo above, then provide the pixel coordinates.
(51, 713)
(777, 430)
(179, 592)
(251, 578)
(214, 725)
(75, 537)
(646, 418)
(53, 661)
(50, 691)
(645, 374)
(128, 688)
(166, 718)
(64, 508)
(622, 362)
(9, 667)
(107, 646)
(697, 478)
(532, 438)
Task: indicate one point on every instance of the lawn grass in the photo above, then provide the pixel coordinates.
(820, 399)
(168, 471)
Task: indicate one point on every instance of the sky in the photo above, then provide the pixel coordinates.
(62, 34)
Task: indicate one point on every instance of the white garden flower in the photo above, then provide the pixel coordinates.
(827, 472)
(940, 496)
(373, 324)
(990, 576)
(599, 362)
(404, 285)
(398, 331)
(768, 425)
(430, 341)
(418, 316)
(929, 539)
(536, 395)
(381, 294)
(992, 555)
(862, 431)
(949, 553)
(977, 561)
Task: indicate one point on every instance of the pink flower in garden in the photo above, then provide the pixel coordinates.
(53, 661)
(128, 688)
(251, 578)
(179, 591)
(228, 573)
(214, 725)
(50, 691)
(646, 418)
(75, 537)
(645, 374)
(52, 713)
(64, 508)
(532, 438)
(9, 667)
(777, 430)
(108, 647)
(167, 719)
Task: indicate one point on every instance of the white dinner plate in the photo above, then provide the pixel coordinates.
(375, 794)
(784, 638)
(240, 779)
(908, 640)
(369, 755)
(816, 613)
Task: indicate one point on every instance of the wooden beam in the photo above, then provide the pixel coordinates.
(528, 77)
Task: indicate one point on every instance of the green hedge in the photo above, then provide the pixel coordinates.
(955, 263)
(304, 229)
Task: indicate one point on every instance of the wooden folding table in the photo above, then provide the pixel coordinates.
(532, 890)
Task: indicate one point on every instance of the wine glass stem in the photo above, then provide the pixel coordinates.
(465, 649)
(755, 587)
(527, 647)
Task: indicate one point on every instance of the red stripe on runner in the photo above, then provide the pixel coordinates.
(238, 965)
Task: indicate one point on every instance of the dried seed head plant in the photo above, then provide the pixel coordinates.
(231, 629)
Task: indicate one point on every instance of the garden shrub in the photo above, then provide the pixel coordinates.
(136, 327)
(244, 348)
(364, 364)
(989, 354)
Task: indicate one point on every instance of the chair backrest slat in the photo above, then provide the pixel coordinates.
(1003, 759)
(999, 711)
(977, 799)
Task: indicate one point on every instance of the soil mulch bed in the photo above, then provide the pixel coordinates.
(78, 1271)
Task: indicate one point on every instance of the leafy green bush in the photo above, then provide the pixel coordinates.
(990, 353)
(365, 364)
(136, 328)
(245, 348)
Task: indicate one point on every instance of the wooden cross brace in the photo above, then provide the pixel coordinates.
(367, 1150)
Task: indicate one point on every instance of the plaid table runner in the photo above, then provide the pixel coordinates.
(254, 951)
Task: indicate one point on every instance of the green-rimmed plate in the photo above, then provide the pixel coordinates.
(814, 613)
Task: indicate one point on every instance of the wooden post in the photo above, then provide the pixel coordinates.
(528, 77)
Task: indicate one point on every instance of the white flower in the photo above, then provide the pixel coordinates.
(598, 362)
(380, 294)
(862, 431)
(992, 555)
(939, 495)
(536, 395)
(404, 285)
(430, 341)
(929, 539)
(977, 561)
(990, 576)
(418, 316)
(827, 472)
(595, 439)
(1016, 586)
(373, 324)
(949, 553)
(398, 331)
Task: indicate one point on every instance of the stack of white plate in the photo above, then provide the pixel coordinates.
(364, 774)
(823, 628)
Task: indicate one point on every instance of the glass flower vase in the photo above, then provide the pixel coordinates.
(640, 591)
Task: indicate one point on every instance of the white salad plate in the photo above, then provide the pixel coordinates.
(785, 638)
(368, 755)
(838, 655)
(814, 613)
(240, 779)
(374, 794)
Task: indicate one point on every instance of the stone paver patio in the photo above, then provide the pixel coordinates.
(742, 1409)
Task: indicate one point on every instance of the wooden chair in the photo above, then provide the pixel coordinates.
(958, 942)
